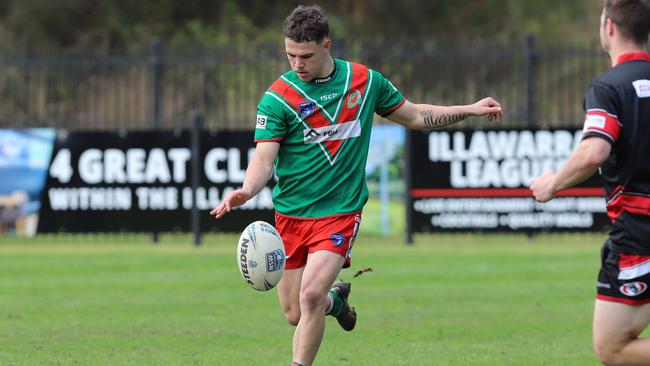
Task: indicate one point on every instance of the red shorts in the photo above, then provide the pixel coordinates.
(304, 236)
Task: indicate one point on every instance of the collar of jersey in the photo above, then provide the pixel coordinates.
(331, 118)
(321, 81)
(636, 56)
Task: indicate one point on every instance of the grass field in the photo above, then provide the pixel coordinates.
(447, 300)
(371, 222)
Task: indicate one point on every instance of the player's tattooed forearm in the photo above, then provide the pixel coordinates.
(431, 120)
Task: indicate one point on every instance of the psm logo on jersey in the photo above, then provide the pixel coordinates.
(306, 109)
(633, 288)
(337, 239)
(354, 98)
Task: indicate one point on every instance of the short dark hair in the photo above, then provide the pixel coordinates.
(306, 24)
(632, 18)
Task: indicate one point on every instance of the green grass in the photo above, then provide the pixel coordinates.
(371, 222)
(447, 300)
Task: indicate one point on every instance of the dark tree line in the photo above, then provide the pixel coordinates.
(119, 24)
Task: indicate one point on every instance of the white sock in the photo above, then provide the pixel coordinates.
(329, 303)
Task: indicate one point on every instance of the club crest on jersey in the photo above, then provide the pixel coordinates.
(306, 109)
(337, 239)
(633, 288)
(354, 98)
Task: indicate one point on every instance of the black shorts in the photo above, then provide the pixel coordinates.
(623, 278)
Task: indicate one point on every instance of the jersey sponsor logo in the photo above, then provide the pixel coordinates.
(328, 96)
(603, 285)
(322, 80)
(306, 109)
(261, 122)
(337, 239)
(311, 133)
(341, 131)
(642, 88)
(354, 98)
(594, 121)
(633, 288)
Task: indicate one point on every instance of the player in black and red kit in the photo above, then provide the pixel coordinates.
(617, 139)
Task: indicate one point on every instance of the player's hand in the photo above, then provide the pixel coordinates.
(234, 199)
(487, 106)
(543, 186)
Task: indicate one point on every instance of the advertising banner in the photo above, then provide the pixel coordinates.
(141, 181)
(477, 180)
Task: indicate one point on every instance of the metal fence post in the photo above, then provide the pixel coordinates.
(156, 70)
(384, 194)
(408, 200)
(530, 54)
(197, 126)
(531, 75)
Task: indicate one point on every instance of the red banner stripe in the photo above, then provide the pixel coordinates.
(499, 192)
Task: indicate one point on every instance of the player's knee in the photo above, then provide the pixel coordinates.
(607, 358)
(607, 353)
(312, 300)
(293, 318)
(292, 314)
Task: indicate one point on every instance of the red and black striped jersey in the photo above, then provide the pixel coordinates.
(617, 107)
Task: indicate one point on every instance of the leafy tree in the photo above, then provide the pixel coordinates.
(119, 24)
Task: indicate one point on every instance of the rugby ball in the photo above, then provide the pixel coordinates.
(260, 256)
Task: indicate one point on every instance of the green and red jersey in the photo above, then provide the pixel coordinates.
(323, 127)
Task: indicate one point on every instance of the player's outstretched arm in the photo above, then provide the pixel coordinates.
(582, 164)
(258, 173)
(427, 116)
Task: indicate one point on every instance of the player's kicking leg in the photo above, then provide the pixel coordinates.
(617, 328)
(319, 273)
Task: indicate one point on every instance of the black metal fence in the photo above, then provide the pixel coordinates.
(538, 85)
